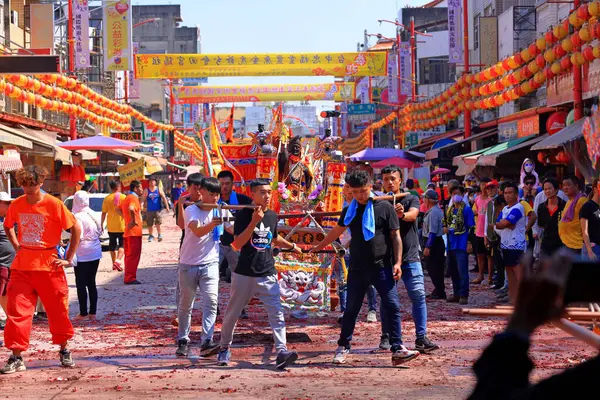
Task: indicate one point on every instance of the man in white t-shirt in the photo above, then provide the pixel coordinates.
(511, 226)
(199, 266)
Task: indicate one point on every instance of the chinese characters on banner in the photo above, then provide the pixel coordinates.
(132, 171)
(117, 36)
(134, 84)
(344, 120)
(392, 70)
(252, 93)
(195, 113)
(164, 66)
(187, 116)
(81, 23)
(362, 90)
(177, 114)
(405, 70)
(455, 31)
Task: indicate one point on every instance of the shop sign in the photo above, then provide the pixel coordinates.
(528, 126)
(134, 136)
(507, 131)
(556, 122)
(132, 171)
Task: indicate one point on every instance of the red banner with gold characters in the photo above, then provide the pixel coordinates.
(165, 66)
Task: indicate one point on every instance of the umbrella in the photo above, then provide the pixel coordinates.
(440, 171)
(98, 142)
(381, 153)
(397, 161)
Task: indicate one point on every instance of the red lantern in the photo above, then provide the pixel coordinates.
(565, 63)
(540, 61)
(582, 12)
(588, 53)
(576, 40)
(533, 50)
(559, 52)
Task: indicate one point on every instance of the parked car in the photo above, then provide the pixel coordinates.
(96, 200)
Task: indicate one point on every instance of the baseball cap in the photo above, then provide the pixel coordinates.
(431, 194)
(492, 184)
(5, 196)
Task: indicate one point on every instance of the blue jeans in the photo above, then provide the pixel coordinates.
(414, 282)
(372, 298)
(458, 264)
(358, 283)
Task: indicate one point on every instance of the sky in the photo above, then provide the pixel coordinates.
(289, 26)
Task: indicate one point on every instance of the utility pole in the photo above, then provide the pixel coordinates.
(71, 47)
(467, 112)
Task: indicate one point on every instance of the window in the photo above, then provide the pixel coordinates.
(436, 70)
(476, 32)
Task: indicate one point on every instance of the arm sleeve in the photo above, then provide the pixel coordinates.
(11, 218)
(430, 239)
(67, 219)
(470, 218)
(341, 220)
(584, 213)
(242, 220)
(190, 214)
(514, 216)
(105, 205)
(414, 203)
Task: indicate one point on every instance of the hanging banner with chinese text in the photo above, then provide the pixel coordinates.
(81, 20)
(455, 31)
(165, 66)
(131, 172)
(134, 84)
(392, 78)
(252, 93)
(117, 36)
(405, 70)
(362, 91)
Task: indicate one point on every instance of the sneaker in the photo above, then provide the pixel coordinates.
(384, 344)
(501, 291)
(160, 238)
(244, 314)
(136, 282)
(425, 346)
(150, 238)
(14, 364)
(209, 348)
(435, 296)
(41, 316)
(65, 359)
(403, 355)
(340, 355)
(183, 348)
(2, 324)
(463, 300)
(285, 359)
(224, 357)
(503, 300)
(453, 299)
(372, 316)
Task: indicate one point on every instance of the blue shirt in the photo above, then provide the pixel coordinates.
(153, 200)
(176, 193)
(459, 242)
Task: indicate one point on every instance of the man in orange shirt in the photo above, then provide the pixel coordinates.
(132, 239)
(36, 269)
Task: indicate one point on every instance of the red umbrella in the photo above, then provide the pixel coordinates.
(397, 161)
(440, 171)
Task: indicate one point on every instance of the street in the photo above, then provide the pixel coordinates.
(130, 350)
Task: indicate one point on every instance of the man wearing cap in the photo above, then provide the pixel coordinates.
(7, 253)
(435, 249)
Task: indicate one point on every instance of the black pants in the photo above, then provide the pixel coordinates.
(435, 265)
(498, 263)
(85, 279)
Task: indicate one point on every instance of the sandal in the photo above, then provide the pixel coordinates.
(117, 266)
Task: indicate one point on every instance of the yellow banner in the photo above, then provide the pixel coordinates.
(152, 165)
(117, 36)
(132, 171)
(164, 66)
(251, 93)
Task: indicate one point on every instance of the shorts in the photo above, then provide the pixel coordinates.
(4, 278)
(115, 241)
(480, 246)
(154, 218)
(511, 258)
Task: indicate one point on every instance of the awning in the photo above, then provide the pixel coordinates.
(489, 160)
(87, 155)
(176, 166)
(562, 137)
(7, 136)
(427, 143)
(435, 153)
(45, 139)
(137, 155)
(10, 163)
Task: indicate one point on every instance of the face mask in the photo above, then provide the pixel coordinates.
(528, 168)
(457, 198)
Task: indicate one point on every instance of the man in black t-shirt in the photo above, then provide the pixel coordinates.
(255, 232)
(590, 218)
(374, 244)
(228, 196)
(407, 210)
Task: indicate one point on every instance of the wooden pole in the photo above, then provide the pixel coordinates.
(487, 312)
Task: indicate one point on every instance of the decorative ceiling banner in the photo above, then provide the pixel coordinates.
(252, 93)
(81, 15)
(117, 36)
(165, 66)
